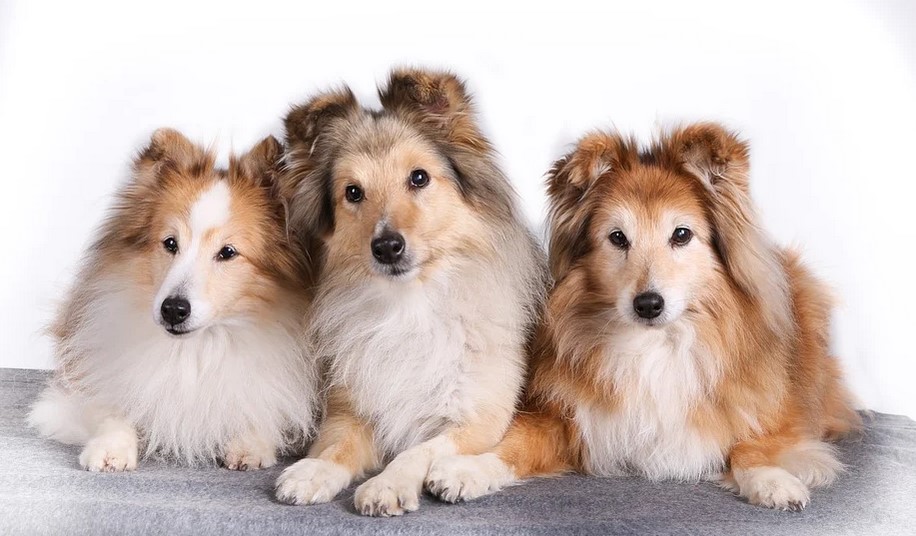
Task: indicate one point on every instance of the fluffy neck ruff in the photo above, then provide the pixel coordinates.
(189, 397)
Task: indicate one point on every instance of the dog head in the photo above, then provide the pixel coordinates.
(207, 245)
(651, 231)
(398, 193)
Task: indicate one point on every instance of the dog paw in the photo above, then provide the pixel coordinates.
(242, 456)
(109, 454)
(311, 481)
(461, 478)
(772, 487)
(387, 495)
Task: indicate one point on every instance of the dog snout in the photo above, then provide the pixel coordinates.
(649, 305)
(175, 310)
(388, 248)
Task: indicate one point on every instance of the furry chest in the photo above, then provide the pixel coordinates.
(412, 390)
(629, 441)
(659, 377)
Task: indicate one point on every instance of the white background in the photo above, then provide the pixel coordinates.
(825, 92)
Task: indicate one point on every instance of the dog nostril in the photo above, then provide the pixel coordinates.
(648, 304)
(175, 310)
(388, 248)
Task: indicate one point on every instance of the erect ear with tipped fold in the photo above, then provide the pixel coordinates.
(306, 122)
(261, 162)
(568, 185)
(720, 160)
(438, 100)
(169, 148)
(305, 180)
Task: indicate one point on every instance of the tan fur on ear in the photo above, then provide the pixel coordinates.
(719, 159)
(310, 140)
(568, 182)
(438, 100)
(305, 122)
(168, 143)
(261, 162)
(170, 150)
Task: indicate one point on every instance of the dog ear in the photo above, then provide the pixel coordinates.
(306, 122)
(720, 160)
(568, 184)
(438, 100)
(305, 180)
(167, 150)
(261, 162)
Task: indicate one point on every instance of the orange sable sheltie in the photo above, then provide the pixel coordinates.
(181, 336)
(678, 342)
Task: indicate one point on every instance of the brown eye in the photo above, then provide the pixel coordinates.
(170, 245)
(419, 178)
(619, 239)
(353, 193)
(681, 236)
(226, 253)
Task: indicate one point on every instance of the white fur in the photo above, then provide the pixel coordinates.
(188, 397)
(312, 481)
(397, 489)
(811, 461)
(113, 448)
(417, 357)
(664, 373)
(187, 276)
(773, 487)
(462, 478)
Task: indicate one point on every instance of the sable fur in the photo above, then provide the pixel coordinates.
(432, 362)
(240, 388)
(737, 384)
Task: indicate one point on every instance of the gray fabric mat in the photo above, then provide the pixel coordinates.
(43, 491)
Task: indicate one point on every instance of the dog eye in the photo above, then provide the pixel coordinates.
(619, 239)
(681, 236)
(353, 193)
(419, 178)
(226, 253)
(170, 245)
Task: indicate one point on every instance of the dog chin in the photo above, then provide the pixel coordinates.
(397, 272)
(178, 332)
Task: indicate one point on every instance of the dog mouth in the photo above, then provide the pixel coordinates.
(397, 271)
(179, 331)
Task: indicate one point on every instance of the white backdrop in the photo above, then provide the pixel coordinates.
(826, 93)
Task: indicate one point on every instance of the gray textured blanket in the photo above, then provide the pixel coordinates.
(43, 491)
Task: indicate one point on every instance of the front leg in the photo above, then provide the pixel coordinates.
(112, 448)
(344, 450)
(397, 489)
(537, 443)
(248, 453)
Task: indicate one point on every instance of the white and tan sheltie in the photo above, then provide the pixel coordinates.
(428, 292)
(678, 342)
(181, 337)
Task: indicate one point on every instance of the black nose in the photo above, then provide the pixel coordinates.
(388, 248)
(175, 310)
(649, 304)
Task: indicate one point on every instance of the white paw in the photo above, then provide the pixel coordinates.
(311, 481)
(109, 453)
(388, 494)
(250, 456)
(772, 487)
(461, 478)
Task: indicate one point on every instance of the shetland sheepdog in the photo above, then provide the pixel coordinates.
(182, 336)
(678, 343)
(428, 289)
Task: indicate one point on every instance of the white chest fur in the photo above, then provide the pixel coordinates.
(189, 397)
(660, 374)
(415, 358)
